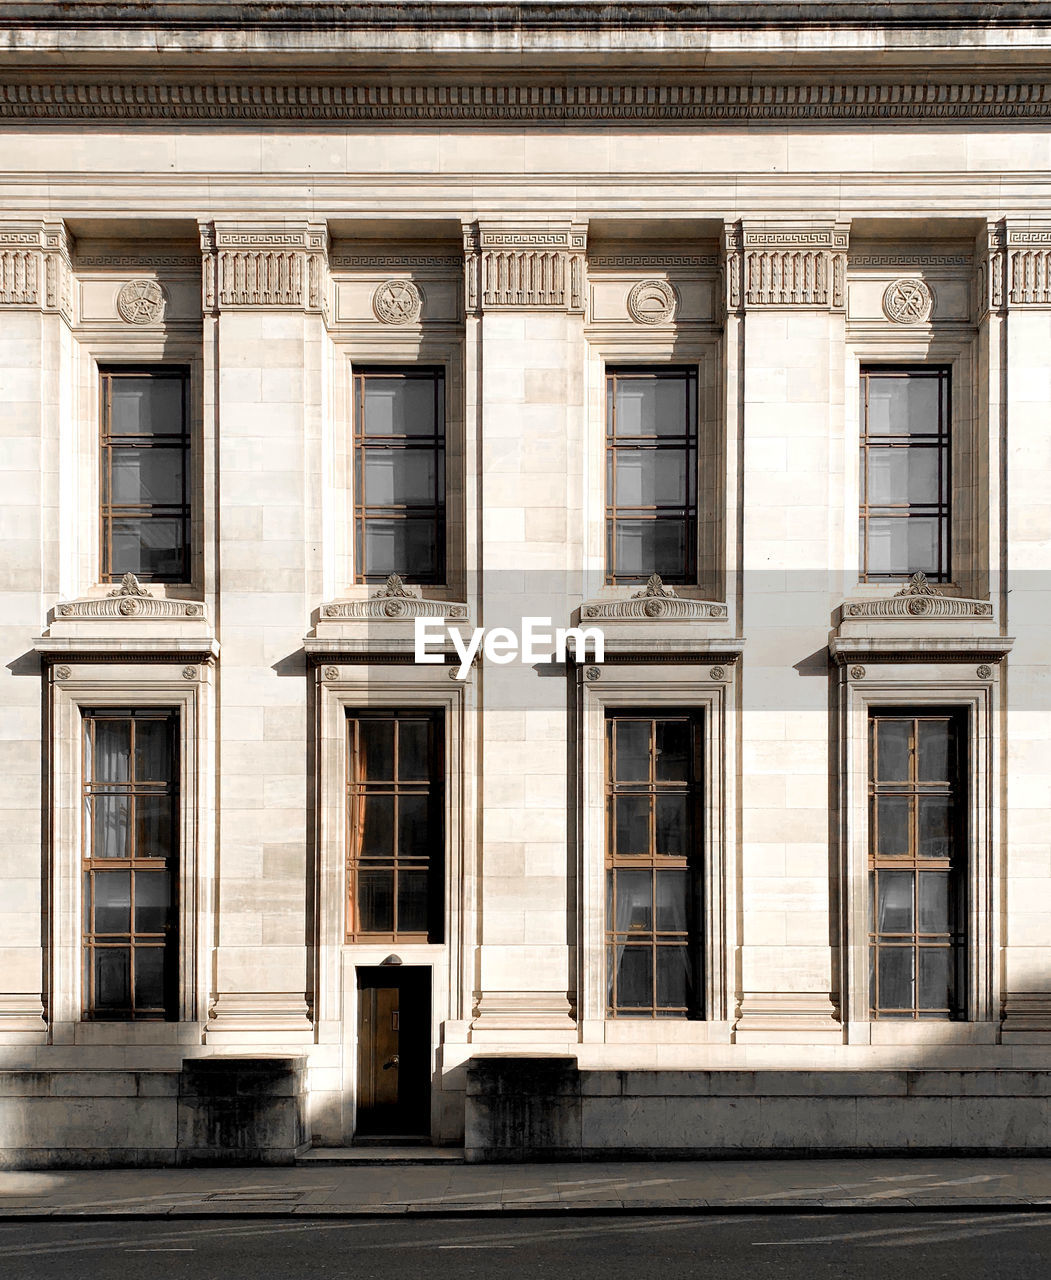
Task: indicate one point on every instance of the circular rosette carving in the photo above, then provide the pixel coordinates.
(908, 301)
(397, 302)
(189, 673)
(129, 607)
(651, 302)
(984, 672)
(857, 673)
(717, 673)
(394, 608)
(141, 302)
(654, 608)
(592, 673)
(918, 606)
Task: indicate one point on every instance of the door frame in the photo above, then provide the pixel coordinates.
(402, 976)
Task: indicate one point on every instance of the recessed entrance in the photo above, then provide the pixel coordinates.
(394, 1052)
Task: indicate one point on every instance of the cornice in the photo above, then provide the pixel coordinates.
(489, 101)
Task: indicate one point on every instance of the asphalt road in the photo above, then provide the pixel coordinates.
(1003, 1245)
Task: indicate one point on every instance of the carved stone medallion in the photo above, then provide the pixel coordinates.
(651, 302)
(397, 302)
(141, 302)
(908, 301)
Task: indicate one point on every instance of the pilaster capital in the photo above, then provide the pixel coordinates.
(268, 265)
(533, 267)
(35, 266)
(1019, 257)
(785, 265)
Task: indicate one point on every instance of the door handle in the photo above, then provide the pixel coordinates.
(391, 1062)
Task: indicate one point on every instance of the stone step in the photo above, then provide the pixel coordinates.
(381, 1155)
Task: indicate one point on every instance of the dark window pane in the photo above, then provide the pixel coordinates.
(153, 756)
(376, 900)
(146, 476)
(112, 901)
(632, 739)
(112, 753)
(152, 901)
(672, 825)
(413, 825)
(673, 750)
(895, 901)
(377, 825)
(110, 818)
(400, 406)
(154, 820)
(935, 978)
(644, 547)
(674, 978)
(400, 476)
(633, 824)
(112, 978)
(377, 749)
(935, 827)
(934, 902)
(634, 978)
(896, 978)
(149, 977)
(673, 889)
(414, 750)
(412, 901)
(407, 547)
(892, 819)
(892, 750)
(147, 546)
(634, 901)
(935, 741)
(148, 405)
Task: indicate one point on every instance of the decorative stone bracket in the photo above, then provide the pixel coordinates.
(532, 268)
(786, 266)
(395, 601)
(654, 602)
(277, 267)
(35, 266)
(129, 600)
(918, 599)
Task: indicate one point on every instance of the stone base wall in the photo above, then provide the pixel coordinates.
(212, 1111)
(522, 1108)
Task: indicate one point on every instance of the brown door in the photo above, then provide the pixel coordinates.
(394, 1052)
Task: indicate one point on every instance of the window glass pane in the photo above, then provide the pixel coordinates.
(112, 891)
(644, 547)
(377, 825)
(649, 406)
(153, 761)
(902, 405)
(152, 899)
(935, 835)
(934, 902)
(154, 822)
(633, 750)
(399, 406)
(147, 546)
(149, 977)
(376, 738)
(150, 405)
(399, 476)
(405, 546)
(674, 978)
(923, 544)
(672, 890)
(892, 823)
(892, 749)
(413, 825)
(413, 750)
(376, 900)
(112, 755)
(634, 901)
(633, 824)
(110, 819)
(412, 901)
(902, 476)
(935, 737)
(895, 908)
(672, 825)
(634, 977)
(651, 477)
(673, 750)
(896, 977)
(935, 978)
(112, 978)
(147, 476)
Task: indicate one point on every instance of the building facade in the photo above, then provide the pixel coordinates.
(330, 334)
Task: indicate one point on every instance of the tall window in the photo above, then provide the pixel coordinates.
(145, 475)
(399, 453)
(653, 865)
(905, 421)
(917, 864)
(651, 474)
(395, 801)
(131, 804)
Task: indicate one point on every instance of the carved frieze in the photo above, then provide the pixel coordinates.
(129, 600)
(533, 268)
(394, 600)
(255, 265)
(654, 601)
(35, 266)
(1028, 262)
(918, 599)
(786, 266)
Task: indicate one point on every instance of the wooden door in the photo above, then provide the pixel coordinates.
(394, 1052)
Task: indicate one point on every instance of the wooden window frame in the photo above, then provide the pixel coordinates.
(92, 867)
(110, 511)
(434, 788)
(939, 440)
(687, 443)
(652, 861)
(364, 512)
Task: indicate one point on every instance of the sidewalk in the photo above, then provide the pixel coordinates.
(448, 1188)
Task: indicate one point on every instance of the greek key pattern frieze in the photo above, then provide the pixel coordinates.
(783, 267)
(261, 267)
(35, 266)
(525, 268)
